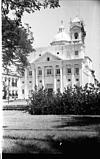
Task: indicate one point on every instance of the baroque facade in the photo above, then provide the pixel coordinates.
(61, 64)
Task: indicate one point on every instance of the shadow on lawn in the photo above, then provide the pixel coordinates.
(49, 145)
(65, 146)
(31, 148)
(79, 121)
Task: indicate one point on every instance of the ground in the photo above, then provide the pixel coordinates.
(25, 133)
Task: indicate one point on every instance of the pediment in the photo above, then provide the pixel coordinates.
(46, 57)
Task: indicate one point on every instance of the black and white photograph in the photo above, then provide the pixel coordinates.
(50, 77)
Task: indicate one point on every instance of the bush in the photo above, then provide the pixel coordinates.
(75, 100)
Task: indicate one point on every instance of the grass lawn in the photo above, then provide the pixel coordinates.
(25, 133)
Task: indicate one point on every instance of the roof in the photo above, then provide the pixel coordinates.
(61, 35)
(52, 53)
(86, 57)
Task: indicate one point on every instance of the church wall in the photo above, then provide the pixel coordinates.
(65, 52)
(85, 75)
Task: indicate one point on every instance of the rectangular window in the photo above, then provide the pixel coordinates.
(77, 71)
(49, 72)
(16, 94)
(39, 72)
(13, 94)
(22, 91)
(57, 71)
(22, 73)
(76, 52)
(13, 82)
(5, 79)
(30, 73)
(9, 81)
(68, 70)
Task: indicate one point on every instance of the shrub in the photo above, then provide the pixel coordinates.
(75, 100)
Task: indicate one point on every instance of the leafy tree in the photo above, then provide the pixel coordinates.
(16, 43)
(30, 6)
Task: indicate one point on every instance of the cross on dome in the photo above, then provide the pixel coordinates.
(61, 36)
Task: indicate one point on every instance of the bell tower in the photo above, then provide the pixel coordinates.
(77, 31)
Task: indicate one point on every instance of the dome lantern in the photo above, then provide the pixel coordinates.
(61, 37)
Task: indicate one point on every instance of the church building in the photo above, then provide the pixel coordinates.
(61, 64)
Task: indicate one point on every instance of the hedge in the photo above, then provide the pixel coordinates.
(75, 100)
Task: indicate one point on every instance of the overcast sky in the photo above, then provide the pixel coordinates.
(45, 23)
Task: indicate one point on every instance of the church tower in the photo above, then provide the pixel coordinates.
(77, 34)
(77, 31)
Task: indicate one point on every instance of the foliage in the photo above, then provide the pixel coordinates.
(16, 40)
(75, 100)
(29, 6)
(15, 44)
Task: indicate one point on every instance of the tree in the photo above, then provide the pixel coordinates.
(16, 43)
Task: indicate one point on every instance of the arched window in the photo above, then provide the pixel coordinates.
(48, 58)
(76, 35)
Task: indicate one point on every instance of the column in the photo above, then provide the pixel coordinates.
(33, 79)
(80, 75)
(73, 77)
(54, 80)
(61, 80)
(19, 88)
(43, 77)
(65, 82)
(26, 84)
(37, 77)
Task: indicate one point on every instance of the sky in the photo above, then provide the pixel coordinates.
(45, 24)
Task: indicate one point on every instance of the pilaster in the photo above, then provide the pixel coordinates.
(19, 88)
(33, 79)
(43, 77)
(26, 84)
(61, 80)
(73, 77)
(54, 80)
(37, 77)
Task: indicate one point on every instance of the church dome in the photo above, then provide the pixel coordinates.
(61, 36)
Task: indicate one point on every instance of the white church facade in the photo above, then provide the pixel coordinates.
(60, 65)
